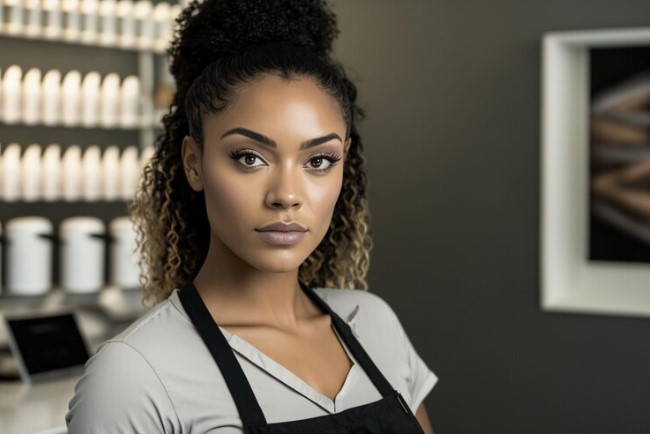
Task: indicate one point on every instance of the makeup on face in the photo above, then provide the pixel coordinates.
(272, 171)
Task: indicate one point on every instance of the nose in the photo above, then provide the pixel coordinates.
(284, 190)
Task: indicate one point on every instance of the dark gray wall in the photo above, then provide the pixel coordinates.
(452, 89)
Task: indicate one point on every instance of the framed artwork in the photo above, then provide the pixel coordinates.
(595, 172)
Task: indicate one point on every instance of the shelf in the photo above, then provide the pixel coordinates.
(95, 44)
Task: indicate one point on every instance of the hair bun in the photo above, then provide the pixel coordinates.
(211, 29)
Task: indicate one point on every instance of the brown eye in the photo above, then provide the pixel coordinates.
(249, 159)
(316, 162)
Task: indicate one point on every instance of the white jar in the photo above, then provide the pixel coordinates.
(125, 271)
(82, 254)
(29, 255)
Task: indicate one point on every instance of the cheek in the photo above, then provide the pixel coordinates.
(325, 198)
(226, 199)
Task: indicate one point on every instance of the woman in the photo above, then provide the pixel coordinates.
(253, 204)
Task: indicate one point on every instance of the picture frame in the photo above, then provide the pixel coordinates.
(570, 281)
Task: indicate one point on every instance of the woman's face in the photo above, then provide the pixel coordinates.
(274, 156)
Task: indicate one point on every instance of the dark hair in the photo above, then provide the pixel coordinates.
(211, 91)
(220, 46)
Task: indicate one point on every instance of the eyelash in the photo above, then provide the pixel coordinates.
(332, 158)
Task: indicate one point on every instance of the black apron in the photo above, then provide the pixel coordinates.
(389, 415)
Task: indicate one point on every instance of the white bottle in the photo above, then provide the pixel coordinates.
(11, 173)
(31, 97)
(90, 92)
(14, 26)
(162, 25)
(34, 25)
(71, 180)
(109, 103)
(111, 173)
(127, 23)
(11, 86)
(129, 173)
(31, 173)
(90, 19)
(51, 98)
(145, 25)
(91, 184)
(53, 22)
(72, 20)
(108, 25)
(71, 98)
(129, 102)
(51, 166)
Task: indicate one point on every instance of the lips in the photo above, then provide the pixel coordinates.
(282, 227)
(282, 234)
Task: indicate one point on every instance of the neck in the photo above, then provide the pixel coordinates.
(237, 294)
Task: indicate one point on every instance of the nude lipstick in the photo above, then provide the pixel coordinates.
(282, 234)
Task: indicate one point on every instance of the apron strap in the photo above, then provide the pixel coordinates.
(240, 389)
(377, 378)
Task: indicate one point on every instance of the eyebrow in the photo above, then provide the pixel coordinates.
(270, 142)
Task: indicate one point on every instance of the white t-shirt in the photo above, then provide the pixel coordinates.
(158, 376)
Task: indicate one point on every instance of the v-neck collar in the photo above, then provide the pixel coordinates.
(284, 375)
(287, 377)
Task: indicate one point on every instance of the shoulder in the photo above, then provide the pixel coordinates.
(124, 382)
(356, 303)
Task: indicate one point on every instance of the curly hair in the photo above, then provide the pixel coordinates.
(223, 44)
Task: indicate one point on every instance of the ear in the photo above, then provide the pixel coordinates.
(346, 147)
(192, 163)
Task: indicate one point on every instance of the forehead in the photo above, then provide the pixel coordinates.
(271, 103)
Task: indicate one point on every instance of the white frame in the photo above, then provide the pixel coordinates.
(570, 283)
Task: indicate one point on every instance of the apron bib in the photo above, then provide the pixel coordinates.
(389, 415)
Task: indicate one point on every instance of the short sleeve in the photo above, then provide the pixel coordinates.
(120, 393)
(422, 379)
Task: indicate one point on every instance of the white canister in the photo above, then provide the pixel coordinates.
(82, 254)
(125, 271)
(1, 242)
(110, 101)
(126, 19)
(53, 21)
(34, 24)
(129, 173)
(129, 107)
(90, 20)
(144, 24)
(108, 22)
(29, 255)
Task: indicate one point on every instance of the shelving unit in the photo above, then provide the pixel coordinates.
(150, 65)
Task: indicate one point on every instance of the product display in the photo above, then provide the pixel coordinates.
(78, 175)
(82, 243)
(74, 101)
(124, 23)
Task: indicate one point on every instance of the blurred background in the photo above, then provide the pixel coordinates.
(452, 139)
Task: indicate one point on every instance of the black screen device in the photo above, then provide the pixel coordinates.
(47, 346)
